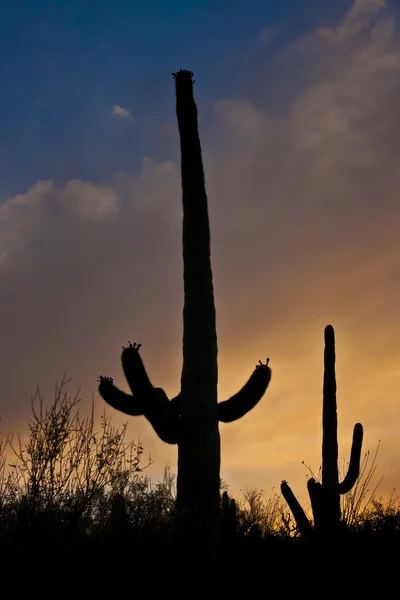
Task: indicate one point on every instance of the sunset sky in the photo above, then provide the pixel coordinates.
(300, 126)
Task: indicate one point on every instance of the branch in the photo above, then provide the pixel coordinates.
(160, 412)
(163, 414)
(251, 393)
(120, 400)
(316, 492)
(134, 370)
(354, 466)
(302, 522)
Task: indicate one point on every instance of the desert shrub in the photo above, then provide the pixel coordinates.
(260, 514)
(73, 491)
(66, 474)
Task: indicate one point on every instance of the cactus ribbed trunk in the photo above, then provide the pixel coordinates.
(199, 444)
(330, 471)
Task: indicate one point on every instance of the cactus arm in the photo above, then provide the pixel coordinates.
(251, 393)
(302, 522)
(156, 407)
(146, 400)
(120, 400)
(134, 370)
(354, 465)
(161, 413)
(138, 380)
(316, 493)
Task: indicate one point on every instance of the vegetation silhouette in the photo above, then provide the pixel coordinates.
(325, 496)
(76, 505)
(190, 420)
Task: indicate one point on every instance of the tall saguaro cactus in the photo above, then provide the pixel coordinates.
(191, 419)
(325, 496)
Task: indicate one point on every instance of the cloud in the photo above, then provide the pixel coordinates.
(304, 220)
(88, 200)
(23, 216)
(121, 113)
(267, 35)
(20, 215)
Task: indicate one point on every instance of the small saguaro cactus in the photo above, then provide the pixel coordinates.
(229, 521)
(190, 420)
(325, 496)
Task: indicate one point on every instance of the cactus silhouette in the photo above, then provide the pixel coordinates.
(325, 497)
(190, 420)
(229, 522)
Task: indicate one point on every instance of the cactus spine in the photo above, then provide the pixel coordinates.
(325, 497)
(191, 419)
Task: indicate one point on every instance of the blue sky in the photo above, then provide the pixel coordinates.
(64, 65)
(299, 122)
